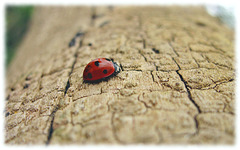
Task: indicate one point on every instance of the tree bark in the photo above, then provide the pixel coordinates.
(176, 85)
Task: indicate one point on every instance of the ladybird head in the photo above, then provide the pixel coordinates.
(116, 66)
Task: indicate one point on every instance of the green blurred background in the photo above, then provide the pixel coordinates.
(17, 23)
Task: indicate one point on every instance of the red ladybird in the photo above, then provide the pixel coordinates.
(99, 69)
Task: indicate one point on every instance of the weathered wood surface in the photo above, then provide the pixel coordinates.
(176, 85)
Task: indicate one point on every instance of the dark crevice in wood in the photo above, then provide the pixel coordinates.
(7, 114)
(144, 43)
(155, 50)
(152, 76)
(26, 86)
(93, 16)
(72, 42)
(191, 99)
(201, 24)
(50, 132)
(65, 92)
(217, 64)
(75, 60)
(196, 62)
(67, 87)
(142, 55)
(188, 91)
(79, 34)
(176, 63)
(170, 44)
(68, 83)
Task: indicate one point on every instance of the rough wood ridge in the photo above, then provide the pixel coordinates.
(176, 85)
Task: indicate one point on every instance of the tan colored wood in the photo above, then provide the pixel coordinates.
(176, 85)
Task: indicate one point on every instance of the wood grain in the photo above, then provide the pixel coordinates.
(176, 85)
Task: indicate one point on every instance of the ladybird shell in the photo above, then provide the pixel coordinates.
(100, 68)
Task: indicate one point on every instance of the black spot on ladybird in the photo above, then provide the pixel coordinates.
(105, 71)
(89, 75)
(97, 63)
(88, 68)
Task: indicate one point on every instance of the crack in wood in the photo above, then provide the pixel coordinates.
(143, 29)
(144, 103)
(179, 68)
(93, 16)
(188, 91)
(51, 130)
(139, 51)
(170, 44)
(191, 99)
(196, 62)
(217, 64)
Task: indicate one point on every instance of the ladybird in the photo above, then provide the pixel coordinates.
(100, 69)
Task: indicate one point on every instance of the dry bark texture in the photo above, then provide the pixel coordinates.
(176, 85)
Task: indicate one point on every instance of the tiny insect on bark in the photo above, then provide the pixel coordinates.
(100, 69)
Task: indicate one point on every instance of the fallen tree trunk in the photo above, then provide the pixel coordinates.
(176, 84)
